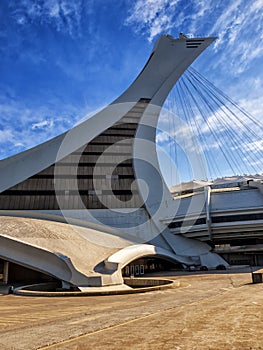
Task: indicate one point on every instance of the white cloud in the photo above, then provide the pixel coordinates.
(253, 105)
(228, 17)
(237, 23)
(65, 15)
(255, 146)
(20, 124)
(43, 124)
(239, 29)
(19, 144)
(6, 136)
(153, 16)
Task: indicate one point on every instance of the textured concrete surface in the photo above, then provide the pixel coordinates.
(210, 311)
(58, 237)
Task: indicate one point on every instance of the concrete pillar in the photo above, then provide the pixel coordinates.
(208, 208)
(5, 272)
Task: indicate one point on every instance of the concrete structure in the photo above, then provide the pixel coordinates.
(82, 206)
(230, 219)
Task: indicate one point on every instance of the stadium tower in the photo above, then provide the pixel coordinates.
(84, 205)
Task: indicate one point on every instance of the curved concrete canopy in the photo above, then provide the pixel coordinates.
(54, 248)
(126, 255)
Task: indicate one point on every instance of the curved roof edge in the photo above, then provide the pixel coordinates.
(124, 256)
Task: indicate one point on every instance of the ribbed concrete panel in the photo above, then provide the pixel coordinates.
(110, 153)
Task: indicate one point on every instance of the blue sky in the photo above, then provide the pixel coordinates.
(61, 59)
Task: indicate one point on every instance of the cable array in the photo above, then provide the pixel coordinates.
(228, 136)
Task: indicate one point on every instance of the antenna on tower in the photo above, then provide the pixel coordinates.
(182, 36)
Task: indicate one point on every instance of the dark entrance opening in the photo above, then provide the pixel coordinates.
(18, 274)
(141, 266)
(1, 270)
(244, 258)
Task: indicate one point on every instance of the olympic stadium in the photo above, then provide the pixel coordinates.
(91, 206)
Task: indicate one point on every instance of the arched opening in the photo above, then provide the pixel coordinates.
(15, 274)
(148, 264)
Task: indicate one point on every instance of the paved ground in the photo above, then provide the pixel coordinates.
(210, 311)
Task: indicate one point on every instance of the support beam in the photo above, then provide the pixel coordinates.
(5, 272)
(208, 216)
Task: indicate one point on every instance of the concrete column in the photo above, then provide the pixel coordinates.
(5, 272)
(208, 208)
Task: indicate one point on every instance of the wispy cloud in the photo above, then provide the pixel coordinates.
(232, 21)
(153, 16)
(6, 135)
(43, 124)
(239, 47)
(35, 125)
(64, 15)
(255, 146)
